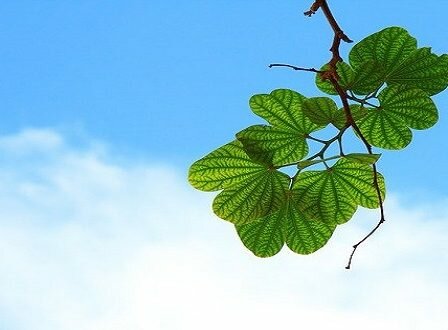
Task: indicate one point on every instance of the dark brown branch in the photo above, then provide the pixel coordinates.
(294, 67)
(330, 18)
(335, 26)
(339, 36)
(332, 75)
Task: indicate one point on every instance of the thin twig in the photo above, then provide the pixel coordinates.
(294, 67)
(362, 101)
(382, 218)
(321, 153)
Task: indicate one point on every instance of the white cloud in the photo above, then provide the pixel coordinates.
(87, 242)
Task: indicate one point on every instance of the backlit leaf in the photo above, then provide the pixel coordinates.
(367, 78)
(283, 142)
(305, 236)
(266, 237)
(273, 146)
(253, 198)
(222, 168)
(400, 109)
(282, 108)
(357, 112)
(333, 195)
(387, 48)
(423, 70)
(391, 56)
(320, 110)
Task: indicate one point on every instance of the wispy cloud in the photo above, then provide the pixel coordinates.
(87, 242)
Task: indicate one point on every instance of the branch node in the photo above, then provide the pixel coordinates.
(314, 8)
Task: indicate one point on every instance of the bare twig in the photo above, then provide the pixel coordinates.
(382, 218)
(294, 67)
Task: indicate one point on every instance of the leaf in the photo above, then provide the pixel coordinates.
(333, 195)
(363, 80)
(400, 108)
(222, 168)
(283, 142)
(366, 159)
(273, 146)
(391, 56)
(357, 112)
(320, 110)
(323, 110)
(261, 195)
(306, 236)
(251, 190)
(266, 237)
(345, 73)
(423, 70)
(283, 109)
(387, 48)
(367, 78)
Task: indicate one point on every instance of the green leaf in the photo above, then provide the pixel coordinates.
(345, 73)
(320, 110)
(251, 190)
(400, 108)
(367, 78)
(333, 195)
(273, 146)
(362, 81)
(366, 159)
(357, 112)
(266, 237)
(222, 168)
(283, 142)
(283, 109)
(387, 48)
(423, 70)
(261, 195)
(391, 56)
(306, 236)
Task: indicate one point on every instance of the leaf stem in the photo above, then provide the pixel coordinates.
(321, 153)
(382, 217)
(328, 143)
(362, 101)
(316, 139)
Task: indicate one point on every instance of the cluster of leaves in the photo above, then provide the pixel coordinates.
(389, 81)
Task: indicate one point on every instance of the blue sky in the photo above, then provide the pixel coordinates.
(171, 79)
(106, 104)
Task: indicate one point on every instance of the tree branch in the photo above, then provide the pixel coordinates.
(332, 75)
(339, 35)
